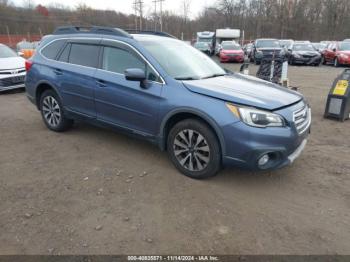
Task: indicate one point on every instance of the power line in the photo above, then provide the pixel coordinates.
(161, 13)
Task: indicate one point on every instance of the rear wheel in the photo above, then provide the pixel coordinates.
(194, 149)
(52, 112)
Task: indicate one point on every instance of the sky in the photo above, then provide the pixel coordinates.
(125, 6)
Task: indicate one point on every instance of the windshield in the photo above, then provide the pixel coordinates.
(286, 43)
(6, 52)
(303, 47)
(267, 44)
(201, 44)
(181, 61)
(207, 40)
(231, 47)
(345, 46)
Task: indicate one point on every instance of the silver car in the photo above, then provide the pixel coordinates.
(12, 69)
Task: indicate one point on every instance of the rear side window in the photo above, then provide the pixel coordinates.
(65, 54)
(51, 50)
(84, 55)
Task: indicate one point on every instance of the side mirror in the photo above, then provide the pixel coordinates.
(20, 54)
(136, 74)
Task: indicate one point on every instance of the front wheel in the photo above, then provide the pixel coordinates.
(194, 149)
(52, 112)
(336, 62)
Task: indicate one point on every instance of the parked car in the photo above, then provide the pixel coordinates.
(248, 48)
(265, 48)
(319, 47)
(167, 92)
(12, 71)
(222, 44)
(304, 54)
(203, 46)
(286, 43)
(337, 53)
(231, 53)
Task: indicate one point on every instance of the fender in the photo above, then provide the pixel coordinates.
(212, 123)
(49, 84)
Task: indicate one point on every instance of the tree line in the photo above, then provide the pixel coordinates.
(313, 20)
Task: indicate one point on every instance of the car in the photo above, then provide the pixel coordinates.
(304, 54)
(203, 46)
(160, 89)
(231, 53)
(319, 47)
(337, 53)
(12, 69)
(222, 44)
(248, 49)
(265, 48)
(286, 43)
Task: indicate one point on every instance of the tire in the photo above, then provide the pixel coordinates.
(52, 112)
(184, 153)
(336, 62)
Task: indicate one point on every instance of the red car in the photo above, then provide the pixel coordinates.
(337, 53)
(231, 53)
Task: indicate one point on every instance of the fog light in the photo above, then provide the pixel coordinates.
(263, 160)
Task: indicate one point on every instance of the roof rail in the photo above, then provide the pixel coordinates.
(149, 32)
(91, 30)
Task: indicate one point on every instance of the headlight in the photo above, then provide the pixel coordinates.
(296, 55)
(344, 56)
(255, 117)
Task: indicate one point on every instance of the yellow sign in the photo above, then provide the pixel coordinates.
(341, 87)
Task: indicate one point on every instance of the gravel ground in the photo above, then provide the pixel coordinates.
(93, 191)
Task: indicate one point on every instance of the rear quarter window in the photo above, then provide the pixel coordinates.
(51, 50)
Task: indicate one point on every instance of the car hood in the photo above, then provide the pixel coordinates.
(232, 52)
(245, 90)
(344, 52)
(306, 52)
(269, 48)
(11, 63)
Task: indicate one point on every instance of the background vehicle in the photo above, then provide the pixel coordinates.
(337, 53)
(319, 47)
(265, 48)
(346, 40)
(12, 70)
(226, 34)
(135, 87)
(248, 48)
(231, 53)
(304, 54)
(209, 38)
(204, 47)
(286, 43)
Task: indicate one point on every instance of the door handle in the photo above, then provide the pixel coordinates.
(101, 83)
(58, 72)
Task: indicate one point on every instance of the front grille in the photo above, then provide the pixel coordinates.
(302, 119)
(309, 56)
(12, 71)
(11, 81)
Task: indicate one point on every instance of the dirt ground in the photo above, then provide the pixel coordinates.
(93, 191)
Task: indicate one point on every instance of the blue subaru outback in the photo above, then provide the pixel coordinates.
(163, 90)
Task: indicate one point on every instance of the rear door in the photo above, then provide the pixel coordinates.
(76, 70)
(125, 103)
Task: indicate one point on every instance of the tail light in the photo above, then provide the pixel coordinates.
(28, 64)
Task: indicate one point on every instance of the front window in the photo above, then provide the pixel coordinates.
(207, 40)
(303, 47)
(6, 52)
(231, 47)
(344, 46)
(267, 44)
(180, 60)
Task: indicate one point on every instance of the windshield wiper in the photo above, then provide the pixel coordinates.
(214, 75)
(186, 78)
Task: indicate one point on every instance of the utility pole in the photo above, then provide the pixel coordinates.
(155, 14)
(161, 14)
(135, 9)
(140, 2)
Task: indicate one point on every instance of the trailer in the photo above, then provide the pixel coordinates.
(226, 34)
(207, 37)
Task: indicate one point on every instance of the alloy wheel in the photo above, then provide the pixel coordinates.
(191, 150)
(51, 111)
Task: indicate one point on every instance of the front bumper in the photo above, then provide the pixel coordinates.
(7, 88)
(307, 60)
(12, 81)
(245, 145)
(344, 61)
(237, 58)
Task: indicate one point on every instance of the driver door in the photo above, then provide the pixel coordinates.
(125, 103)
